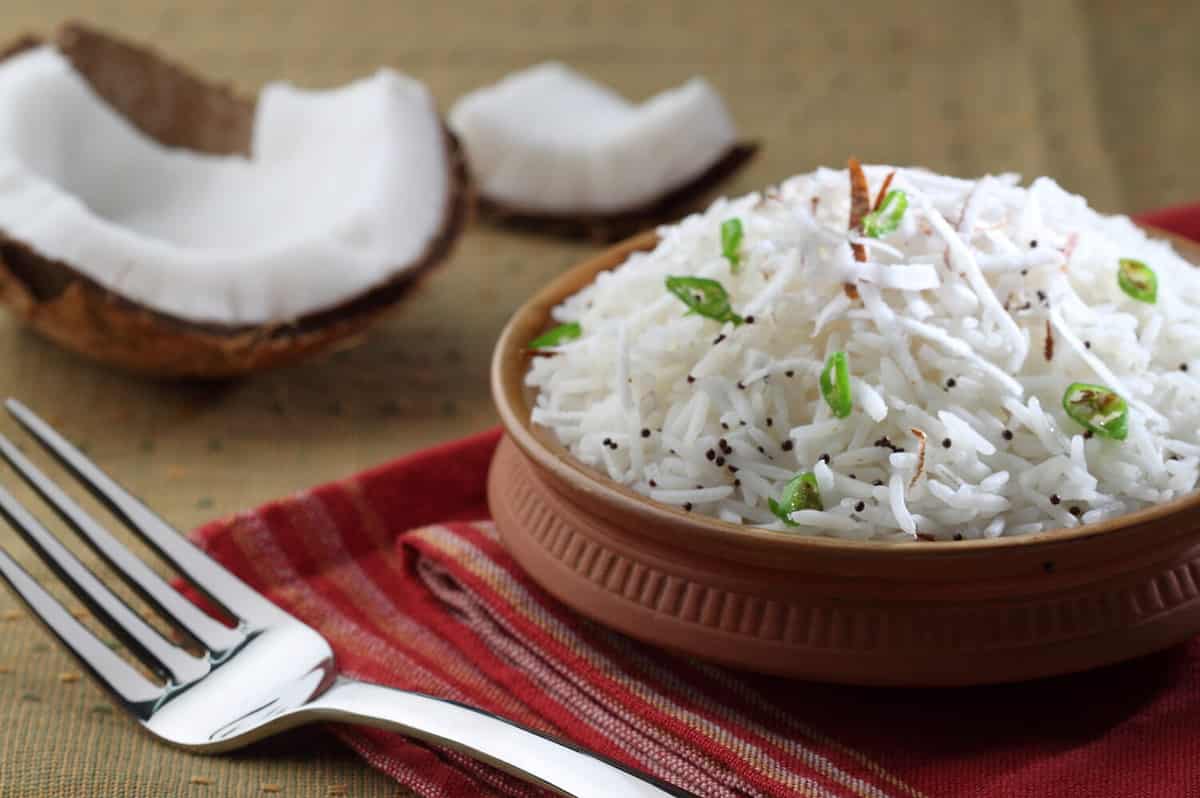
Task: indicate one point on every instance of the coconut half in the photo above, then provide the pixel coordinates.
(161, 223)
(550, 148)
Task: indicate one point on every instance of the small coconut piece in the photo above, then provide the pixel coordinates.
(551, 149)
(157, 222)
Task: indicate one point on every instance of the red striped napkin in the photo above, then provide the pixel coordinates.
(402, 573)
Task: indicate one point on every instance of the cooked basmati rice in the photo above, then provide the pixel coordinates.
(946, 340)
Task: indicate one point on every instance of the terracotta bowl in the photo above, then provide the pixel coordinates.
(947, 613)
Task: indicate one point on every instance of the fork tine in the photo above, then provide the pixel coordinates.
(216, 637)
(133, 689)
(142, 638)
(217, 583)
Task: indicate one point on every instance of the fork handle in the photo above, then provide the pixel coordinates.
(529, 755)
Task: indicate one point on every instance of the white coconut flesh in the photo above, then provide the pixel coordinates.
(342, 191)
(549, 140)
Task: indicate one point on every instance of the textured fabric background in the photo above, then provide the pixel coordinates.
(1100, 94)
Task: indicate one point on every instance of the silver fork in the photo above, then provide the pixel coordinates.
(268, 673)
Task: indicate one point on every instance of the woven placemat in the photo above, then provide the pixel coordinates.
(1094, 92)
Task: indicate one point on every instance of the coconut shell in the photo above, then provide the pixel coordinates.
(179, 109)
(610, 227)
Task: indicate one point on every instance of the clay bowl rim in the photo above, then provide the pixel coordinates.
(510, 362)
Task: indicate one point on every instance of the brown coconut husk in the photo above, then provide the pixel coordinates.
(610, 227)
(179, 109)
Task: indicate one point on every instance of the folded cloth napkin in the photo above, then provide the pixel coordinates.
(399, 568)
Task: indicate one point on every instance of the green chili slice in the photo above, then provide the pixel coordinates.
(1098, 409)
(879, 223)
(1138, 280)
(835, 385)
(703, 296)
(559, 335)
(731, 242)
(801, 493)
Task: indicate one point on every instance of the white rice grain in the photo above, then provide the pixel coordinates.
(938, 339)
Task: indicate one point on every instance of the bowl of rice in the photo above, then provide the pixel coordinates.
(872, 425)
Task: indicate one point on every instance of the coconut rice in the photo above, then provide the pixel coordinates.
(962, 329)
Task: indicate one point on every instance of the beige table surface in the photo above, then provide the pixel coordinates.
(1101, 94)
